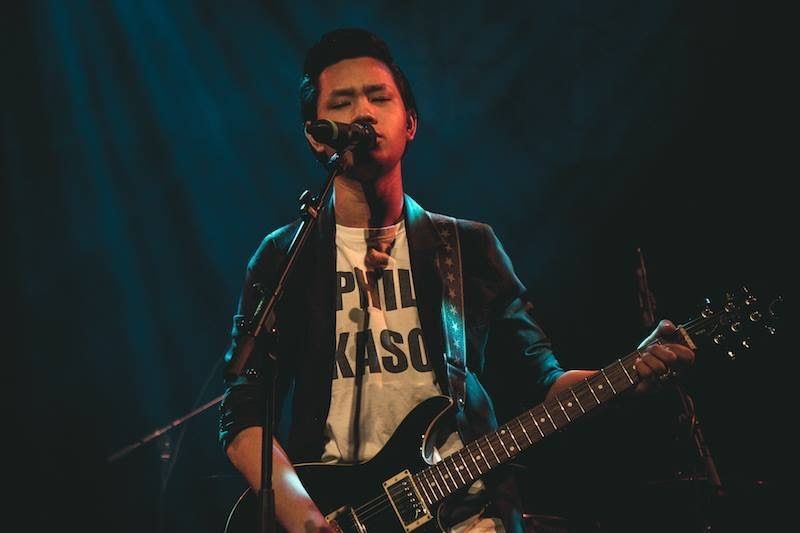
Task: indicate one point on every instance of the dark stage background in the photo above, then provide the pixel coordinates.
(148, 146)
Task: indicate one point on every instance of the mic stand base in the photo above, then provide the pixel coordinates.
(703, 452)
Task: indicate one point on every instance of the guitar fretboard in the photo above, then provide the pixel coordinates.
(466, 465)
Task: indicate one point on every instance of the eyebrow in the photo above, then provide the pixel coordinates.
(368, 89)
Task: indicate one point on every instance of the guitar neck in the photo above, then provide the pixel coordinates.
(485, 453)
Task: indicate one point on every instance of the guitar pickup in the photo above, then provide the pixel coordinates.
(408, 505)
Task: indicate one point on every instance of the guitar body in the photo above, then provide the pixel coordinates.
(359, 486)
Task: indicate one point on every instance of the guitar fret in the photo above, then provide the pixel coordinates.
(492, 449)
(592, 390)
(449, 473)
(431, 482)
(421, 485)
(500, 438)
(514, 439)
(603, 371)
(637, 355)
(618, 377)
(472, 456)
(625, 370)
(578, 401)
(423, 482)
(458, 469)
(436, 483)
(632, 360)
(485, 460)
(564, 410)
(524, 430)
(469, 473)
(443, 476)
(537, 423)
(550, 417)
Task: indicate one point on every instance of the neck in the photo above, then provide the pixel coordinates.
(369, 204)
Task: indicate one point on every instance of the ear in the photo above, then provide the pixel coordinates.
(411, 124)
(317, 147)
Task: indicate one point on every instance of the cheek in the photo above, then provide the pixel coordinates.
(400, 129)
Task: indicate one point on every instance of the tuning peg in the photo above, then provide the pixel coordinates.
(774, 306)
(706, 310)
(729, 307)
(719, 338)
(736, 327)
(755, 316)
(770, 329)
(746, 343)
(749, 297)
(731, 355)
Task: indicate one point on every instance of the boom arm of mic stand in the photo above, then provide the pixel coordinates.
(264, 317)
(160, 431)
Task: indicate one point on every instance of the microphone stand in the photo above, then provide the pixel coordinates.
(263, 319)
(647, 305)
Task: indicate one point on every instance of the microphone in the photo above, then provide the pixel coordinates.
(339, 135)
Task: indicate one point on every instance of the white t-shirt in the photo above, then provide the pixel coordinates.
(396, 373)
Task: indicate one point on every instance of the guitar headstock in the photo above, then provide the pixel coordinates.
(736, 323)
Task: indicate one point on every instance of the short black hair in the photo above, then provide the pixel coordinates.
(347, 43)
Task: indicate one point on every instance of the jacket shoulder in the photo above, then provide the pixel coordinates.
(273, 245)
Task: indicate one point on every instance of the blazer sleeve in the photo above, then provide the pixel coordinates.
(520, 364)
(243, 400)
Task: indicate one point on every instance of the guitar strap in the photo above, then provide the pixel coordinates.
(448, 263)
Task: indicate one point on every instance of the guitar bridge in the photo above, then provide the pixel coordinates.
(405, 498)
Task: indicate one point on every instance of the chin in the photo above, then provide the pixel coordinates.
(370, 165)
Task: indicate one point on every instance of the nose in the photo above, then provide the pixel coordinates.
(364, 112)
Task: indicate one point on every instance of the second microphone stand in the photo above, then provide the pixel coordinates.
(647, 305)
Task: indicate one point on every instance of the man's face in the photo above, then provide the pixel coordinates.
(363, 88)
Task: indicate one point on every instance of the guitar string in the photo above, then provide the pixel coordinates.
(379, 504)
(376, 505)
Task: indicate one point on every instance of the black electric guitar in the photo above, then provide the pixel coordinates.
(397, 490)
